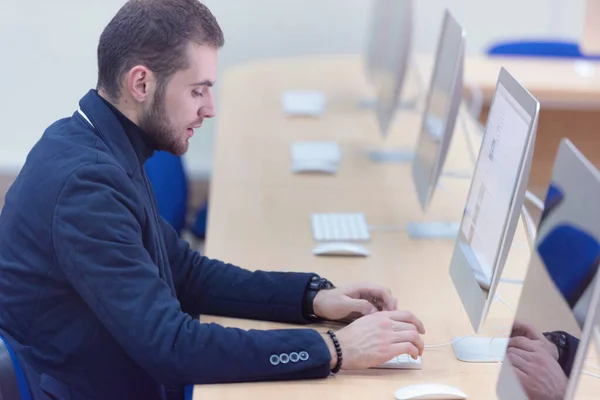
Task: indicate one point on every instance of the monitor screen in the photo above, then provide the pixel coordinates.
(496, 196)
(495, 181)
(561, 289)
(441, 110)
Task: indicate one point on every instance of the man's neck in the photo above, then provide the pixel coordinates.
(125, 106)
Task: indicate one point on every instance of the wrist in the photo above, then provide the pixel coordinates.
(558, 343)
(338, 350)
(555, 352)
(331, 348)
(316, 305)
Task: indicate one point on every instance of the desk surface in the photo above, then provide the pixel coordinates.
(556, 83)
(259, 219)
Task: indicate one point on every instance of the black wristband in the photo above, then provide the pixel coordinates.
(338, 350)
(313, 287)
(559, 339)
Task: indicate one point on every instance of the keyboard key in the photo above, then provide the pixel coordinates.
(340, 227)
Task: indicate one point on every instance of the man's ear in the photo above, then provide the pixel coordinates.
(140, 83)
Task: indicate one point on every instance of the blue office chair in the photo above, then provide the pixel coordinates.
(571, 257)
(13, 385)
(540, 48)
(167, 176)
(199, 226)
(169, 182)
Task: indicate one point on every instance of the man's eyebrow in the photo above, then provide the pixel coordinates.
(205, 82)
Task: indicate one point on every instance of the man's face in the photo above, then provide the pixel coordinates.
(175, 111)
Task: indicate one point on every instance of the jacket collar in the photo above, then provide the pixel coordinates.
(127, 141)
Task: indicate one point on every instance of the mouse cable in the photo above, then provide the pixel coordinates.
(591, 374)
(435, 346)
(504, 302)
(593, 365)
(512, 281)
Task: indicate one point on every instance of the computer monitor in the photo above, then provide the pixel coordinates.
(597, 332)
(376, 43)
(390, 69)
(441, 109)
(561, 293)
(495, 199)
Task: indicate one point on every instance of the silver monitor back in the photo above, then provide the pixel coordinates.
(392, 64)
(597, 332)
(376, 44)
(561, 291)
(441, 109)
(495, 197)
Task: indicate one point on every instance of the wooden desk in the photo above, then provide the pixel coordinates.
(259, 218)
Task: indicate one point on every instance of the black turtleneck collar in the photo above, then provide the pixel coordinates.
(143, 145)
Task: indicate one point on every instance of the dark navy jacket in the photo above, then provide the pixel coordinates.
(98, 294)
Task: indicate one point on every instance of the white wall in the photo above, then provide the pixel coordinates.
(48, 47)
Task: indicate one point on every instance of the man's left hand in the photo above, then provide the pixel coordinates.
(539, 373)
(353, 301)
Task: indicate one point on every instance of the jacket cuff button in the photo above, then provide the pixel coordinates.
(274, 359)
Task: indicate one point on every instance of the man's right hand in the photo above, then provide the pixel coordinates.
(377, 338)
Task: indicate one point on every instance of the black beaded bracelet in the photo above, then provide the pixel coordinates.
(338, 350)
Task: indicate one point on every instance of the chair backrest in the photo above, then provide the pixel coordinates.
(167, 177)
(9, 385)
(540, 48)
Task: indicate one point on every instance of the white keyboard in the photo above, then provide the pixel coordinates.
(403, 361)
(339, 227)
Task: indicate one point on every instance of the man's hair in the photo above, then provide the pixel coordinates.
(153, 33)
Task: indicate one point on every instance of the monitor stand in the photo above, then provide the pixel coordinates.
(480, 349)
(392, 156)
(371, 104)
(433, 230)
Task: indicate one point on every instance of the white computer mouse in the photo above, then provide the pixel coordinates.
(340, 249)
(429, 391)
(314, 165)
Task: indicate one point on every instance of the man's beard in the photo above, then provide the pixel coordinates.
(155, 123)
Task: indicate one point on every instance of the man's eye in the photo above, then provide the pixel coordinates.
(196, 94)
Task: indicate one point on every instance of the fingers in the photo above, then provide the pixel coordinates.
(403, 326)
(523, 329)
(517, 361)
(361, 306)
(411, 337)
(381, 294)
(521, 354)
(523, 343)
(405, 348)
(408, 317)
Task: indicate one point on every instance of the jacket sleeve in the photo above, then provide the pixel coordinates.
(206, 286)
(97, 236)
